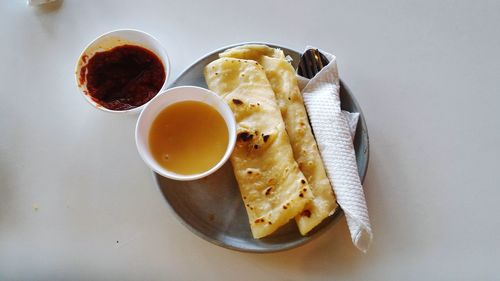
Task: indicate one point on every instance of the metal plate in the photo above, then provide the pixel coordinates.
(212, 207)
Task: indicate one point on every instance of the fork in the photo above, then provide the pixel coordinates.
(311, 62)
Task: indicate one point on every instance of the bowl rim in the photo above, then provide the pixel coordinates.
(141, 139)
(165, 59)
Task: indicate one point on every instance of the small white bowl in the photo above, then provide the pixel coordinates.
(169, 97)
(113, 39)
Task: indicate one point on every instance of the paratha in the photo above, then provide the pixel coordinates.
(282, 78)
(272, 187)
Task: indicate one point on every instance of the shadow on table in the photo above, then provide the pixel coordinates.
(5, 192)
(332, 252)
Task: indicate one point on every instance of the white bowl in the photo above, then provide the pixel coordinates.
(169, 97)
(113, 39)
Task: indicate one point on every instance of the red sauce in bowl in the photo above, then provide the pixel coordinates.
(124, 77)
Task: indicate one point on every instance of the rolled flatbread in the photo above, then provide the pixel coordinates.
(282, 78)
(272, 187)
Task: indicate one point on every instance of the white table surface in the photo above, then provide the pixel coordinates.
(77, 202)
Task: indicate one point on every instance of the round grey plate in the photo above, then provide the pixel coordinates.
(212, 207)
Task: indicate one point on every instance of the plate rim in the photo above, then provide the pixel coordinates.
(338, 211)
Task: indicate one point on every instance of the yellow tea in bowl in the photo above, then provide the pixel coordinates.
(188, 137)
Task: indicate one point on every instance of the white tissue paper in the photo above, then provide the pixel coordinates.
(334, 130)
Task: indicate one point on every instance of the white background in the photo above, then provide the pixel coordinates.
(426, 74)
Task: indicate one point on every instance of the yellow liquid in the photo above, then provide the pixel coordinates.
(188, 137)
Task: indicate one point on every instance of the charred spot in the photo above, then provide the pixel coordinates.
(303, 181)
(256, 146)
(301, 195)
(306, 213)
(265, 137)
(304, 189)
(285, 207)
(269, 222)
(237, 101)
(249, 172)
(268, 190)
(245, 136)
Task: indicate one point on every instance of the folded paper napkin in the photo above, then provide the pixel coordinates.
(334, 131)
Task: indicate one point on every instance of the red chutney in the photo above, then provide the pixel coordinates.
(124, 77)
